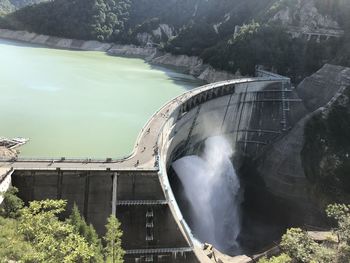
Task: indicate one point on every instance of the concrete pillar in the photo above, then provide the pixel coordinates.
(59, 184)
(133, 186)
(318, 40)
(228, 106)
(32, 175)
(240, 112)
(192, 127)
(86, 195)
(114, 194)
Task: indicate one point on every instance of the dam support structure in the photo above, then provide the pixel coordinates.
(135, 197)
(251, 113)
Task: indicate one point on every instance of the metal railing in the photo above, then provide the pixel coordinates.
(158, 250)
(141, 202)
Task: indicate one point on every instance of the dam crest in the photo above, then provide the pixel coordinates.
(251, 113)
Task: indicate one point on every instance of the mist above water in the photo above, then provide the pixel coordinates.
(212, 190)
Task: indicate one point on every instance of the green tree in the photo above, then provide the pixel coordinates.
(113, 250)
(13, 247)
(283, 258)
(86, 231)
(6, 7)
(11, 204)
(299, 245)
(110, 17)
(341, 213)
(52, 239)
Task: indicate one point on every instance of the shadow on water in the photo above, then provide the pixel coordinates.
(24, 44)
(179, 77)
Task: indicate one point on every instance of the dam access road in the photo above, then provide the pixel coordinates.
(137, 188)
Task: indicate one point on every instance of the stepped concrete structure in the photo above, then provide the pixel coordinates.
(319, 34)
(251, 112)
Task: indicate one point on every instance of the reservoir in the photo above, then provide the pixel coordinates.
(79, 103)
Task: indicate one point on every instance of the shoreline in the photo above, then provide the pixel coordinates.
(188, 65)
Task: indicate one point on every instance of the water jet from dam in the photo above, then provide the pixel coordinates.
(213, 193)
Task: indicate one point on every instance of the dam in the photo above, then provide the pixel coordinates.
(251, 112)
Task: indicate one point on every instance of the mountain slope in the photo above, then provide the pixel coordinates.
(8, 6)
(206, 28)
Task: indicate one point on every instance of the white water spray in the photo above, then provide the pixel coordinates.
(212, 190)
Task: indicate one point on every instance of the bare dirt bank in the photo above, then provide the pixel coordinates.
(190, 65)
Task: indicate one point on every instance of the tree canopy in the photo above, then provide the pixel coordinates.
(113, 251)
(35, 233)
(298, 246)
(201, 28)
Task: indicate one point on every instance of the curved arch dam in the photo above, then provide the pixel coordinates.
(255, 115)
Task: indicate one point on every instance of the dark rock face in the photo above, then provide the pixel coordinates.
(326, 151)
(326, 148)
(315, 153)
(317, 90)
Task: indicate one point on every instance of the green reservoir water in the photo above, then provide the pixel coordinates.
(79, 103)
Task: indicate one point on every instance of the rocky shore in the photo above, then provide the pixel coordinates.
(190, 65)
(7, 153)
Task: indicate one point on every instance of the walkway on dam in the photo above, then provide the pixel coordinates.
(145, 154)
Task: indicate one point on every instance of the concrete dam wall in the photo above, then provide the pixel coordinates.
(252, 113)
(139, 201)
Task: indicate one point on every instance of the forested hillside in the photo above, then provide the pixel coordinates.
(8, 6)
(23, 3)
(204, 28)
